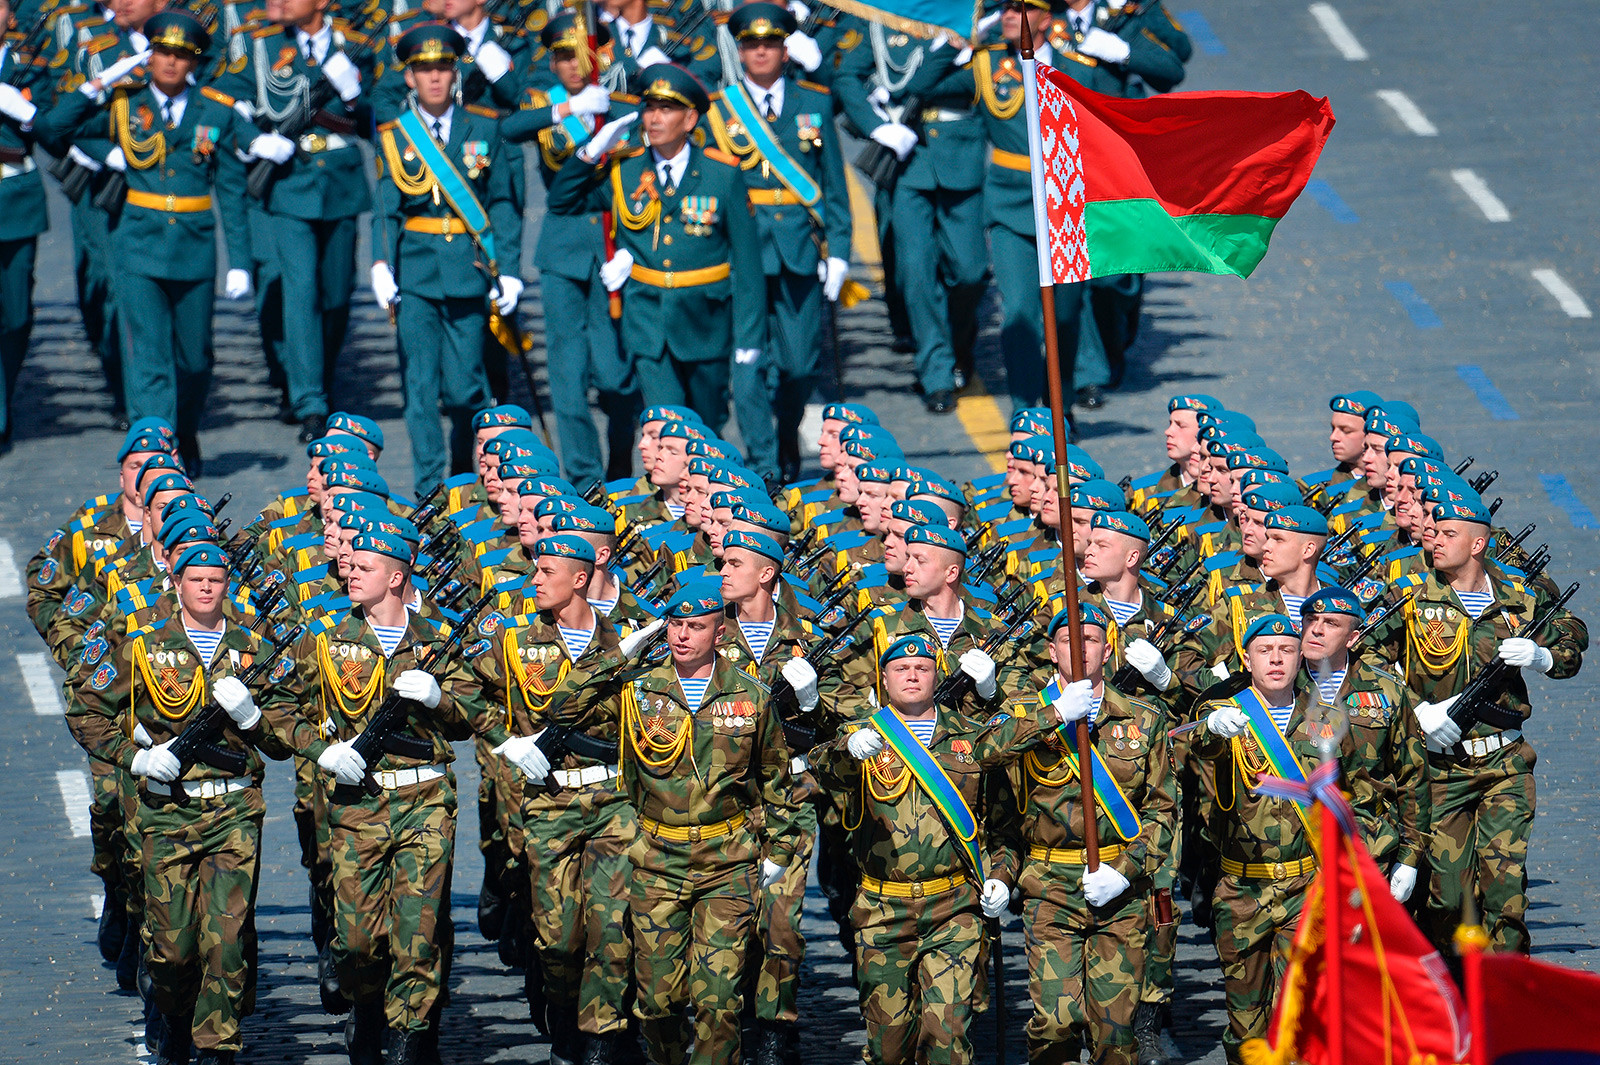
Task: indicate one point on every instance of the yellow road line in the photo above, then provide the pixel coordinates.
(864, 227)
(980, 417)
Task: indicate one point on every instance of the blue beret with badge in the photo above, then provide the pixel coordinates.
(190, 501)
(503, 414)
(1270, 498)
(382, 543)
(683, 430)
(1251, 478)
(565, 545)
(760, 543)
(584, 517)
(762, 513)
(201, 554)
(328, 446)
(1356, 403)
(359, 480)
(367, 504)
(166, 482)
(1471, 510)
(1120, 521)
(545, 486)
(917, 645)
(853, 413)
(1269, 625)
(1298, 518)
(875, 473)
(917, 512)
(394, 525)
(1257, 458)
(934, 486)
(550, 506)
(694, 600)
(1097, 494)
(1195, 401)
(1035, 421)
(1081, 464)
(1088, 614)
(161, 460)
(142, 440)
(666, 412)
(940, 535)
(356, 425)
(1333, 600)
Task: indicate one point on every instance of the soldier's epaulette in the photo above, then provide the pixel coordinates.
(1006, 530)
(981, 592)
(460, 480)
(988, 481)
(1327, 574)
(261, 32)
(481, 531)
(633, 500)
(482, 111)
(1210, 527)
(1149, 480)
(85, 522)
(1242, 589)
(814, 87)
(384, 127)
(300, 542)
(99, 502)
(1410, 580)
(801, 486)
(832, 517)
(846, 539)
(318, 626)
(1403, 553)
(494, 558)
(817, 496)
(1221, 560)
(144, 630)
(980, 613)
(993, 512)
(628, 153)
(1346, 508)
(306, 576)
(285, 523)
(349, 32)
(96, 45)
(105, 551)
(720, 156)
(1321, 476)
(220, 97)
(624, 98)
(875, 575)
(675, 541)
(807, 603)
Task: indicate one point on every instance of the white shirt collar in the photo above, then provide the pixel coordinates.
(1043, 54)
(759, 95)
(474, 38)
(321, 41)
(634, 34)
(175, 104)
(675, 166)
(443, 120)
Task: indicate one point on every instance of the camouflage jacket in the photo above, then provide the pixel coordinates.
(1389, 757)
(1217, 639)
(56, 568)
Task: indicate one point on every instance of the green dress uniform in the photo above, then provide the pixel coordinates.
(795, 120)
(443, 308)
(695, 293)
(308, 218)
(177, 150)
(22, 218)
(936, 205)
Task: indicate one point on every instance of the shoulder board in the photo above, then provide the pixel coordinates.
(980, 613)
(385, 127)
(620, 485)
(988, 481)
(1149, 480)
(677, 541)
(485, 112)
(981, 592)
(1411, 580)
(220, 97)
(629, 153)
(305, 539)
(293, 493)
(105, 550)
(1012, 528)
(318, 626)
(494, 558)
(647, 606)
(85, 522)
(1221, 560)
(100, 44)
(720, 156)
(286, 523)
(844, 541)
(887, 610)
(349, 32)
(801, 486)
(506, 580)
(632, 501)
(832, 517)
(814, 87)
(481, 530)
(1321, 476)
(715, 97)
(625, 98)
(994, 511)
(264, 31)
(874, 576)
(100, 501)
(1347, 508)
(816, 496)
(306, 576)
(1210, 527)
(1242, 589)
(460, 480)
(1404, 552)
(806, 602)
(143, 631)
(1327, 574)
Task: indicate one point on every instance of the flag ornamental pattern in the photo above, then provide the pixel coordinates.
(1064, 190)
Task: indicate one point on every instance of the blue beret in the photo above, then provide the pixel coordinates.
(1383, 423)
(1227, 419)
(917, 645)
(760, 543)
(324, 446)
(167, 482)
(1471, 510)
(1298, 518)
(939, 535)
(1357, 402)
(201, 555)
(1120, 521)
(874, 473)
(1334, 600)
(1272, 497)
(1040, 448)
(161, 460)
(349, 519)
(366, 504)
(359, 479)
(1257, 458)
(1035, 421)
(681, 430)
(193, 502)
(934, 486)
(726, 498)
(763, 513)
(1398, 409)
(356, 425)
(917, 512)
(1097, 494)
(1268, 625)
(1195, 401)
(1088, 614)
(504, 414)
(185, 526)
(667, 413)
(872, 450)
(694, 600)
(565, 545)
(1082, 466)
(394, 525)
(382, 543)
(1415, 444)
(854, 413)
(354, 459)
(584, 517)
(143, 440)
(546, 486)
(720, 450)
(1420, 465)
(1252, 478)
(869, 431)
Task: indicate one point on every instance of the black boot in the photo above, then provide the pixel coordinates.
(321, 916)
(600, 1049)
(363, 1033)
(430, 1037)
(405, 1046)
(533, 990)
(772, 1041)
(333, 1000)
(214, 1057)
(1147, 1028)
(491, 905)
(113, 926)
(129, 960)
(155, 1028)
(566, 1041)
(176, 1044)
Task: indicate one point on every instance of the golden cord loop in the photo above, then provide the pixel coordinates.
(413, 183)
(173, 709)
(141, 154)
(353, 702)
(534, 697)
(637, 736)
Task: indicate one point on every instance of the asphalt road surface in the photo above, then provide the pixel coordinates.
(1446, 254)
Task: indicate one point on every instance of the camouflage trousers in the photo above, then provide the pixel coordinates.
(577, 855)
(783, 944)
(921, 973)
(492, 813)
(1085, 965)
(1160, 951)
(391, 862)
(693, 908)
(1255, 926)
(200, 867)
(1482, 816)
(114, 819)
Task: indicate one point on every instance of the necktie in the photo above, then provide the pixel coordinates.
(667, 187)
(310, 55)
(772, 112)
(166, 113)
(438, 130)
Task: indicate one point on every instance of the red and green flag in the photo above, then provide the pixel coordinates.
(1184, 181)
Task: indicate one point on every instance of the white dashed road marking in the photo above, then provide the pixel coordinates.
(40, 680)
(1332, 24)
(1409, 114)
(1570, 301)
(10, 576)
(74, 785)
(1478, 192)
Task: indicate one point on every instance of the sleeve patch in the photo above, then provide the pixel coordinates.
(103, 676)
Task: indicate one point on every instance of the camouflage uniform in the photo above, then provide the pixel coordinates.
(53, 571)
(200, 859)
(921, 954)
(1389, 755)
(1482, 807)
(1086, 963)
(696, 858)
(570, 844)
(390, 853)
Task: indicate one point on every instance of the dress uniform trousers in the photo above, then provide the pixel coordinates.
(166, 325)
(582, 350)
(316, 262)
(777, 386)
(940, 266)
(16, 317)
(1016, 274)
(441, 363)
(91, 267)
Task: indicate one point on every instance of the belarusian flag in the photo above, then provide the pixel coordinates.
(1186, 181)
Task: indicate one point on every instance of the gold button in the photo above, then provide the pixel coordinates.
(321, 163)
(916, 890)
(667, 239)
(666, 263)
(933, 133)
(593, 221)
(694, 834)
(172, 221)
(1279, 872)
(777, 216)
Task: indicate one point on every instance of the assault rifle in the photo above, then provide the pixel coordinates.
(954, 688)
(1477, 700)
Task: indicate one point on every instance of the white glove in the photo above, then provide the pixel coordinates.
(803, 679)
(384, 290)
(879, 98)
(142, 738)
(84, 159)
(1105, 45)
(342, 75)
(1102, 884)
(864, 743)
(492, 60)
(607, 137)
(115, 160)
(119, 70)
(158, 763)
(1402, 882)
(524, 753)
(506, 295)
(832, 274)
(1434, 718)
(746, 356)
(1521, 652)
(987, 23)
(1143, 656)
(898, 138)
(977, 664)
(590, 100)
(939, 42)
(19, 107)
(996, 897)
(1220, 671)
(615, 270)
(419, 687)
(651, 56)
(344, 763)
(234, 698)
(771, 873)
(799, 10)
(1227, 722)
(631, 643)
(245, 110)
(1073, 704)
(237, 285)
(803, 50)
(274, 147)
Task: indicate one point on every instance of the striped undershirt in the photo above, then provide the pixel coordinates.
(1280, 716)
(676, 510)
(1095, 702)
(135, 527)
(944, 627)
(694, 691)
(922, 729)
(205, 641)
(1476, 603)
(1329, 683)
(604, 606)
(757, 634)
(577, 641)
(1291, 606)
(389, 636)
(1120, 610)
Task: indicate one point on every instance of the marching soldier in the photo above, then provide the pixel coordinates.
(445, 213)
(783, 134)
(24, 84)
(687, 246)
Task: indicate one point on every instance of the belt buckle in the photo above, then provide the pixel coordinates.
(172, 202)
(1279, 871)
(317, 143)
(449, 233)
(668, 282)
(930, 114)
(694, 833)
(916, 889)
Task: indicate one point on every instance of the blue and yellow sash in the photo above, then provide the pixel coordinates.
(1107, 792)
(792, 174)
(940, 789)
(572, 123)
(1280, 756)
(451, 184)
